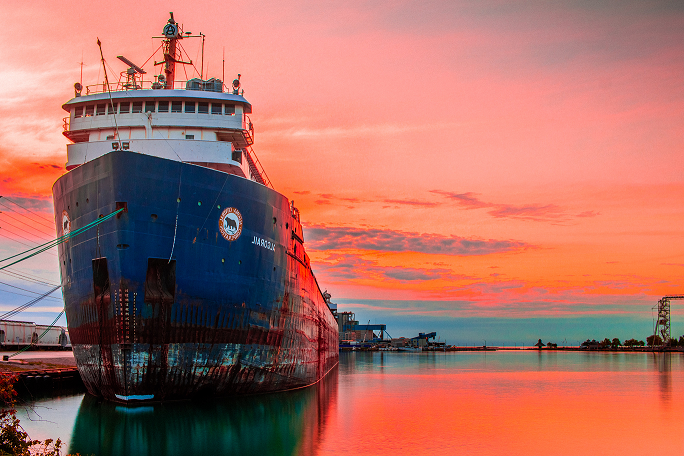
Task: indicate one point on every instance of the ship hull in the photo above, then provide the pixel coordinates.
(163, 304)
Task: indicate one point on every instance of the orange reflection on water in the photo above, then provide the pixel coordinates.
(448, 410)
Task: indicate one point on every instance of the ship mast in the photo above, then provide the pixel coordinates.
(172, 33)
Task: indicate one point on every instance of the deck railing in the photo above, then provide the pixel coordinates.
(122, 86)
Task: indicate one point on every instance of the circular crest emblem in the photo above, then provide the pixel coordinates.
(230, 224)
(170, 30)
(66, 223)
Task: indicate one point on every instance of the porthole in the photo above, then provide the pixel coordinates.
(178, 200)
(287, 226)
(274, 220)
(87, 200)
(199, 203)
(153, 217)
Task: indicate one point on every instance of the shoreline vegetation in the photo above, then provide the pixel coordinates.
(652, 344)
(14, 440)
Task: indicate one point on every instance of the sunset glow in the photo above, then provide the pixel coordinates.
(450, 159)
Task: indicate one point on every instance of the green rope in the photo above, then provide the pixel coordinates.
(33, 344)
(48, 245)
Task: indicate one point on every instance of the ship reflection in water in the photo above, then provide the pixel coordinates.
(283, 423)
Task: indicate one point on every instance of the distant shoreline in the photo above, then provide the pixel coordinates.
(528, 349)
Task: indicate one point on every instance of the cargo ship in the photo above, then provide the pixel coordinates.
(200, 284)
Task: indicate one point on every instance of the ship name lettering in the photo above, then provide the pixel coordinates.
(268, 245)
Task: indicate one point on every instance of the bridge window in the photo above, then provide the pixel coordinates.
(101, 110)
(176, 106)
(203, 108)
(189, 106)
(125, 107)
(216, 108)
(163, 106)
(137, 106)
(110, 108)
(78, 111)
(89, 110)
(189, 136)
(149, 106)
(230, 109)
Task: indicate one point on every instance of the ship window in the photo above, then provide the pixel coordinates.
(216, 108)
(124, 108)
(237, 156)
(89, 110)
(101, 110)
(149, 106)
(230, 109)
(110, 108)
(78, 111)
(203, 108)
(189, 136)
(176, 106)
(189, 106)
(163, 106)
(137, 106)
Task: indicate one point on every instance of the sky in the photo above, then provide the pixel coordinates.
(499, 170)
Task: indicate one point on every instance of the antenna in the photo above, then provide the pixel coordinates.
(81, 80)
(131, 64)
(109, 90)
(202, 68)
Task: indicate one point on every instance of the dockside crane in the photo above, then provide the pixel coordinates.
(662, 325)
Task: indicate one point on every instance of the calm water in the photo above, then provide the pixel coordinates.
(512, 403)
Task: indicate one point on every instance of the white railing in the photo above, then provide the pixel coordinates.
(139, 85)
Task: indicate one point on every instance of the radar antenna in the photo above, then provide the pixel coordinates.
(131, 73)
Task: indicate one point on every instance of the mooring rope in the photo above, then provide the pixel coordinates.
(33, 344)
(50, 244)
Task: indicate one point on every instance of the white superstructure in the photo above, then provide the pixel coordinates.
(192, 121)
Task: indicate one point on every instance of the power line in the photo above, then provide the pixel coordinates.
(28, 225)
(28, 277)
(23, 237)
(24, 230)
(23, 307)
(51, 227)
(22, 289)
(26, 209)
(12, 239)
(28, 295)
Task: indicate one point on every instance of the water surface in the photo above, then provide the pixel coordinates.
(513, 403)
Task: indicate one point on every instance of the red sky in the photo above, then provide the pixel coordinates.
(457, 159)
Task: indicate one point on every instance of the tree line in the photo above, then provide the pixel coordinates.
(651, 341)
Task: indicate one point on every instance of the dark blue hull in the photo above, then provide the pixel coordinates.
(166, 302)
